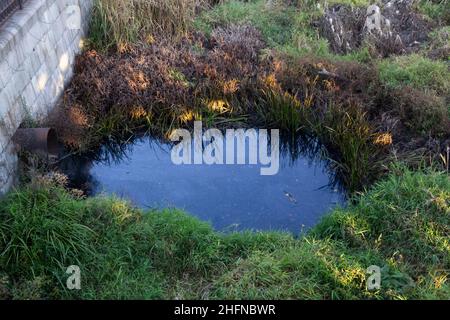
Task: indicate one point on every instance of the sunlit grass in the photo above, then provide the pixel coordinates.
(400, 225)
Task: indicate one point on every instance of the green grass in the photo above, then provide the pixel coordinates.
(349, 138)
(275, 24)
(436, 10)
(281, 110)
(401, 225)
(405, 217)
(439, 40)
(356, 3)
(286, 28)
(416, 71)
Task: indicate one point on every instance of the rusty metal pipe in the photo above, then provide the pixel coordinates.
(42, 141)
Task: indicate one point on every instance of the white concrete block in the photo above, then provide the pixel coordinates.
(5, 74)
(29, 43)
(39, 29)
(29, 96)
(40, 79)
(20, 80)
(9, 93)
(5, 104)
(53, 11)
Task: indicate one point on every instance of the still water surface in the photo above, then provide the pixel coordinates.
(230, 197)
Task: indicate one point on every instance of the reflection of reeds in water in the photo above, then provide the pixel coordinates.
(115, 151)
(348, 142)
(309, 147)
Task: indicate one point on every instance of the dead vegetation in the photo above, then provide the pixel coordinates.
(228, 80)
(230, 77)
(161, 85)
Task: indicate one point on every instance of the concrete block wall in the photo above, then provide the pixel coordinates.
(38, 45)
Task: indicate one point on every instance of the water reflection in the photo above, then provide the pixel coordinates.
(231, 197)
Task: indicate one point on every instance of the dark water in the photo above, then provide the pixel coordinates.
(231, 197)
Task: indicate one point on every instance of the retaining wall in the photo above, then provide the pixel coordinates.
(38, 45)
